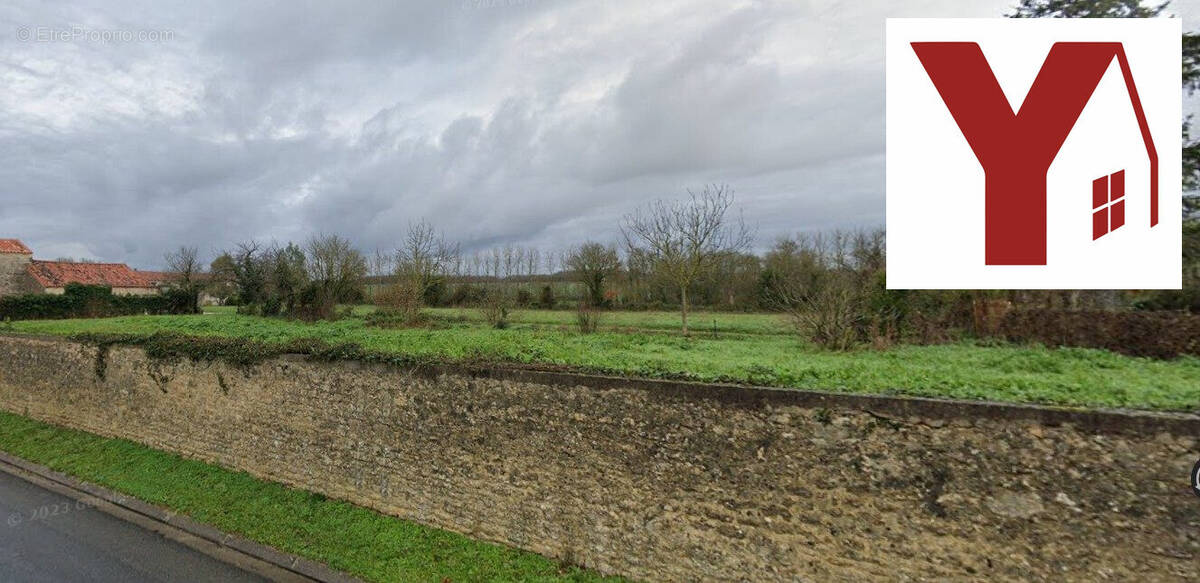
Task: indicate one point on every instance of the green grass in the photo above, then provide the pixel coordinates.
(1025, 374)
(702, 323)
(344, 536)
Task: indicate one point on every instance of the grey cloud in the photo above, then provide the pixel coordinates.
(534, 122)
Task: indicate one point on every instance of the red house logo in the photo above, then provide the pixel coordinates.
(1033, 154)
(1016, 149)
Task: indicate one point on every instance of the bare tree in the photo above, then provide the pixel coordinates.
(686, 237)
(495, 263)
(593, 264)
(184, 265)
(336, 269)
(510, 260)
(533, 259)
(824, 281)
(425, 257)
(476, 263)
(381, 263)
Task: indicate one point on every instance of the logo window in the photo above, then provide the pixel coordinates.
(1108, 204)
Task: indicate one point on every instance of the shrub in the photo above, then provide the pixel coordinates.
(435, 292)
(402, 304)
(1152, 334)
(587, 318)
(495, 308)
(466, 294)
(547, 300)
(524, 298)
(1171, 299)
(832, 317)
(385, 317)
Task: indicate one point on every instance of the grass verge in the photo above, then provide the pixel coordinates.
(1001, 372)
(350, 538)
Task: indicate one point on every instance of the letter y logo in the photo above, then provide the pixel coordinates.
(1016, 149)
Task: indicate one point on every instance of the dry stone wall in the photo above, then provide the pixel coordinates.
(665, 481)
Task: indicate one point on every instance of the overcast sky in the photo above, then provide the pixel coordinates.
(532, 122)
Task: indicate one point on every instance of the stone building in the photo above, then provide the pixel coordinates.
(15, 259)
(20, 273)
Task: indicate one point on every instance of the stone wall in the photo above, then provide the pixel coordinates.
(666, 481)
(14, 277)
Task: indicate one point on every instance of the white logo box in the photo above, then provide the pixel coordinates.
(935, 183)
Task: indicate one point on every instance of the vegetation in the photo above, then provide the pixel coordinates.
(593, 265)
(344, 536)
(1153, 334)
(421, 266)
(683, 241)
(304, 283)
(93, 301)
(756, 353)
(184, 266)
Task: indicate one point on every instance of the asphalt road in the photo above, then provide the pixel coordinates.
(47, 537)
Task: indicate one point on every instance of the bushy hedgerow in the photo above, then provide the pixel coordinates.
(241, 351)
(1152, 334)
(93, 301)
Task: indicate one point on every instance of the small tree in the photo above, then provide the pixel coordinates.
(184, 266)
(686, 238)
(421, 266)
(222, 282)
(495, 307)
(288, 276)
(592, 264)
(247, 271)
(336, 271)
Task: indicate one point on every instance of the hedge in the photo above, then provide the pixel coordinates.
(93, 301)
(1152, 334)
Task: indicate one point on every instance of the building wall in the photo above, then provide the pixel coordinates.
(665, 481)
(120, 291)
(14, 276)
(135, 291)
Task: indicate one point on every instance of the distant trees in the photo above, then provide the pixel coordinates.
(684, 239)
(306, 282)
(593, 264)
(1085, 9)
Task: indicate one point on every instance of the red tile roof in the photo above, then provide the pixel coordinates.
(60, 273)
(154, 278)
(14, 246)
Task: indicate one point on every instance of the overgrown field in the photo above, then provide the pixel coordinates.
(702, 323)
(745, 348)
(350, 538)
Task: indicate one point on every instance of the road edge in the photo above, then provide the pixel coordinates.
(226, 547)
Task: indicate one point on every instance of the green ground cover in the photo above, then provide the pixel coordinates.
(1028, 374)
(344, 536)
(702, 323)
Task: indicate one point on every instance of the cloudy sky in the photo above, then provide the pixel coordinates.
(127, 128)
